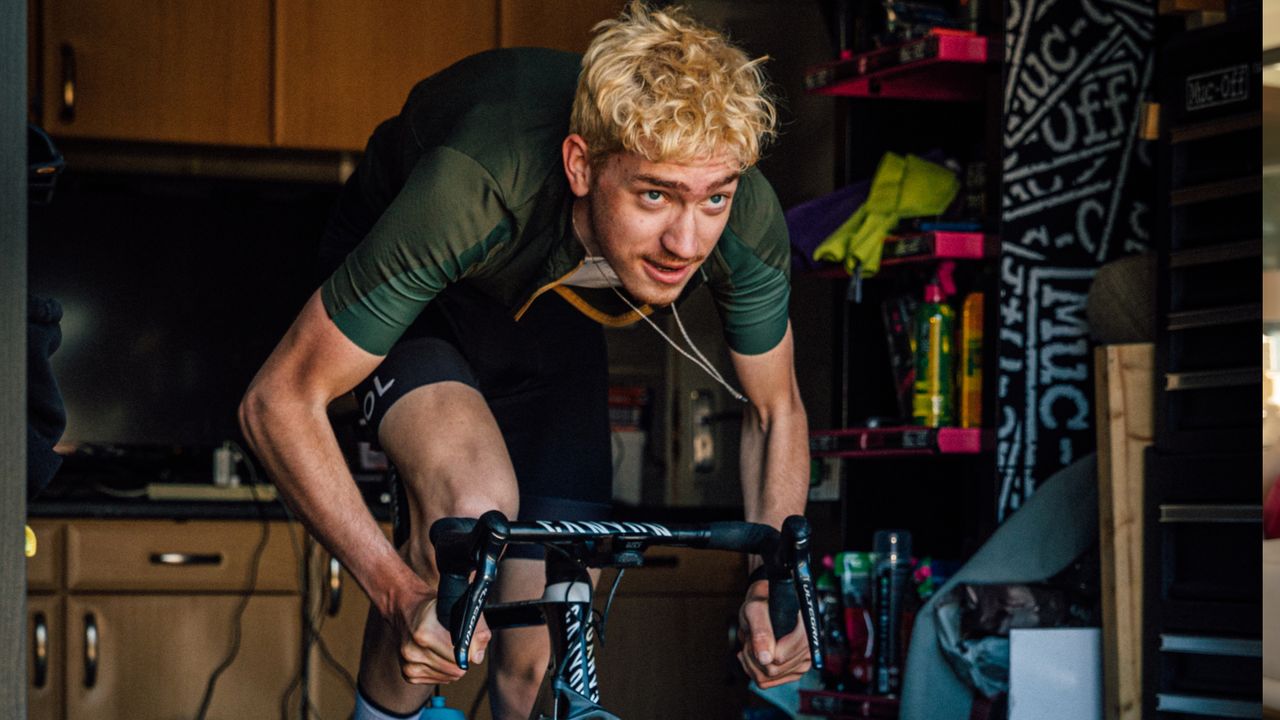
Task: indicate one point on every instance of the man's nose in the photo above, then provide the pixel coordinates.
(681, 237)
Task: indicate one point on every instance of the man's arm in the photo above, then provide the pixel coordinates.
(283, 415)
(775, 436)
(775, 484)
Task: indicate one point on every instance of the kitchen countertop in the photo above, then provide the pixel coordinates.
(85, 498)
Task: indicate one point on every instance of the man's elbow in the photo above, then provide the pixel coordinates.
(252, 414)
(783, 406)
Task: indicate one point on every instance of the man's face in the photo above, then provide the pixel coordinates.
(656, 222)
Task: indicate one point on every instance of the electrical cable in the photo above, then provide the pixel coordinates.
(474, 711)
(604, 618)
(700, 361)
(239, 615)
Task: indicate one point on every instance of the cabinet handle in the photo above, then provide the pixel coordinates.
(335, 586)
(177, 558)
(41, 645)
(67, 113)
(90, 650)
(731, 632)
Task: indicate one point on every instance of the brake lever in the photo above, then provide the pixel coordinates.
(492, 533)
(794, 549)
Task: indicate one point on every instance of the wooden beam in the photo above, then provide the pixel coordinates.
(1125, 384)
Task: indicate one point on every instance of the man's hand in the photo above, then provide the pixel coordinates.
(426, 650)
(766, 661)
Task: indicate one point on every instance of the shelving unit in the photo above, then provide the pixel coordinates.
(898, 441)
(1202, 613)
(942, 66)
(877, 98)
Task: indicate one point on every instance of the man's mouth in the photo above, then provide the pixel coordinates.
(665, 273)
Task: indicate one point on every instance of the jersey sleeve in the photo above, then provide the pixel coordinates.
(443, 223)
(751, 282)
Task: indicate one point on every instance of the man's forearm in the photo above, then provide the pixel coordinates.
(775, 465)
(297, 446)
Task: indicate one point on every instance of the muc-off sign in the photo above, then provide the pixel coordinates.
(1075, 178)
(1217, 88)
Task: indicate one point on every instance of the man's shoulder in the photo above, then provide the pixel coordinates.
(756, 221)
(506, 109)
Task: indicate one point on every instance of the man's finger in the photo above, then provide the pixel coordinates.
(762, 643)
(752, 671)
(479, 642)
(793, 646)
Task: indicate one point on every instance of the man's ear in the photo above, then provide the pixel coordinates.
(577, 165)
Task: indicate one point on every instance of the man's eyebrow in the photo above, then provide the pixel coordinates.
(676, 185)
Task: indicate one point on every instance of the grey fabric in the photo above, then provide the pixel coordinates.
(1052, 529)
(1121, 306)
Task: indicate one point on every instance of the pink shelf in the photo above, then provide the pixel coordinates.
(926, 247)
(942, 66)
(898, 441)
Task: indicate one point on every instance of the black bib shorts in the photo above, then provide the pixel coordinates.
(544, 377)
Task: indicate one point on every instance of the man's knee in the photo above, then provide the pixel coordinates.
(518, 660)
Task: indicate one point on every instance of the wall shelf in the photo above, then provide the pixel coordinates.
(945, 66)
(898, 441)
(927, 247)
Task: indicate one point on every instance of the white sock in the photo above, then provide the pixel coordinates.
(366, 710)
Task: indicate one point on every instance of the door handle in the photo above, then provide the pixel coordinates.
(90, 650)
(178, 558)
(67, 109)
(335, 586)
(40, 644)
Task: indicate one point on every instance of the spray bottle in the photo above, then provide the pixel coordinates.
(933, 402)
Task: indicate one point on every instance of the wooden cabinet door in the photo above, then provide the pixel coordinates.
(340, 609)
(151, 656)
(563, 25)
(343, 66)
(46, 657)
(669, 657)
(183, 71)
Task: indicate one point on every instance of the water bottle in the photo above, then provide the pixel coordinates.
(436, 710)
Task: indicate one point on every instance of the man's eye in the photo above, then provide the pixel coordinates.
(653, 196)
(717, 200)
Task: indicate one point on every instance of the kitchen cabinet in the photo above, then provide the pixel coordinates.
(669, 626)
(197, 72)
(563, 25)
(151, 655)
(338, 608)
(46, 660)
(344, 66)
(668, 649)
(130, 618)
(295, 74)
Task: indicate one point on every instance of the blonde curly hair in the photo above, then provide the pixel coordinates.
(658, 83)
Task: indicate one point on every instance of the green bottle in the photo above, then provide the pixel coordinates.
(933, 402)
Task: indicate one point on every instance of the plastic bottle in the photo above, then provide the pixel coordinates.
(889, 583)
(971, 361)
(436, 710)
(835, 646)
(933, 403)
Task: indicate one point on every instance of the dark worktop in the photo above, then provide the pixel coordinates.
(116, 499)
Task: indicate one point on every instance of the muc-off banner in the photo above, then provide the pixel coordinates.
(1076, 194)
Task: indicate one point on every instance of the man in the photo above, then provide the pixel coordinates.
(521, 200)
